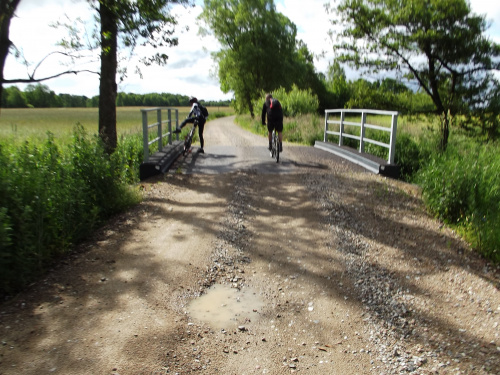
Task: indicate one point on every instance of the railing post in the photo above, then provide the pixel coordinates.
(145, 135)
(169, 126)
(325, 137)
(160, 132)
(392, 145)
(341, 129)
(177, 122)
(362, 133)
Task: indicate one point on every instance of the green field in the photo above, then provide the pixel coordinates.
(33, 123)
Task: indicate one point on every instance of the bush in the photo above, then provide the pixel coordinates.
(218, 114)
(128, 156)
(462, 188)
(295, 102)
(407, 156)
(51, 198)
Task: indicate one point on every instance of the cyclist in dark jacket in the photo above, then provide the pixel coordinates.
(272, 108)
(195, 113)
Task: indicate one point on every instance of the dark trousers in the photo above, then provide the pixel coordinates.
(201, 126)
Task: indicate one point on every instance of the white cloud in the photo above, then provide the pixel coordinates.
(313, 24)
(188, 71)
(491, 10)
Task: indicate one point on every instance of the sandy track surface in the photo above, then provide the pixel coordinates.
(234, 264)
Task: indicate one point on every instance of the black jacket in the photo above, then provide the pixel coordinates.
(274, 112)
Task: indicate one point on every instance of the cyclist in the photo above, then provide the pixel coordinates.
(272, 107)
(195, 113)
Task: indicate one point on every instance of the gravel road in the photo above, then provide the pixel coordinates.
(234, 264)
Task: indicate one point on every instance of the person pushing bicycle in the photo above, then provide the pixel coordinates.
(272, 108)
(197, 112)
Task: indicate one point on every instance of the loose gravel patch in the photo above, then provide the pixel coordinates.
(432, 306)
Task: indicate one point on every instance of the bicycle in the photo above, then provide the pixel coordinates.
(275, 146)
(189, 138)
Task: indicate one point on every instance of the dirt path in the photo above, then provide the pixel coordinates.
(233, 267)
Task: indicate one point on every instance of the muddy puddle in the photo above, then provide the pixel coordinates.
(223, 307)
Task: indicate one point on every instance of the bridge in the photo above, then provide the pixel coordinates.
(170, 148)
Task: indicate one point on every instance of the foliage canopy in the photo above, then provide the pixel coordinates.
(258, 47)
(437, 44)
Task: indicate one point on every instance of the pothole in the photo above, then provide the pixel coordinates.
(224, 307)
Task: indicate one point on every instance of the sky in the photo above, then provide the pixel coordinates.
(190, 68)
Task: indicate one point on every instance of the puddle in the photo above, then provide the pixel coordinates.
(224, 307)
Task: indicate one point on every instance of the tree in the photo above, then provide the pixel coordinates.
(145, 22)
(439, 44)
(304, 75)
(40, 96)
(72, 101)
(12, 97)
(337, 85)
(7, 9)
(257, 47)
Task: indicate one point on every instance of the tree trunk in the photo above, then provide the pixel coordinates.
(7, 9)
(108, 87)
(250, 104)
(445, 131)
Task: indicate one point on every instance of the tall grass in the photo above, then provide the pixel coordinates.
(53, 196)
(295, 102)
(462, 188)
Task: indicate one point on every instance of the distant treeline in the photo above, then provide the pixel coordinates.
(40, 96)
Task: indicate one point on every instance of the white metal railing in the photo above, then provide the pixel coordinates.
(363, 126)
(159, 124)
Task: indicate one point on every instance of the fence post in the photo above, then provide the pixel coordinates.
(145, 135)
(325, 137)
(341, 129)
(160, 132)
(177, 122)
(392, 147)
(362, 133)
(169, 126)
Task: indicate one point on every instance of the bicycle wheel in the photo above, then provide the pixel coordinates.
(187, 144)
(277, 150)
(189, 140)
(277, 145)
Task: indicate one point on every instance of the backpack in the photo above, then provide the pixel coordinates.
(204, 110)
(274, 105)
(275, 110)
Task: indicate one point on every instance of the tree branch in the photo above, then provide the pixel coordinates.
(35, 80)
(46, 57)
